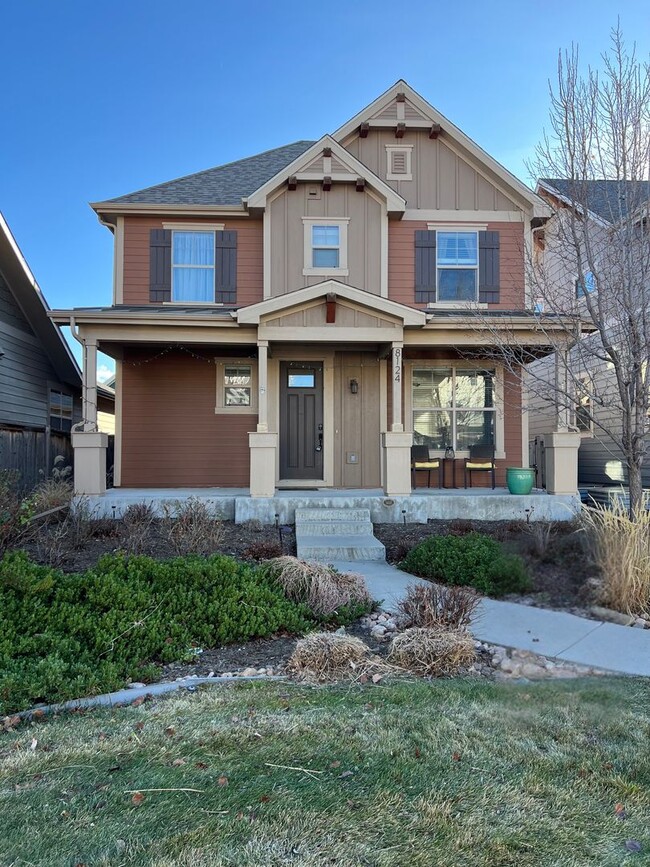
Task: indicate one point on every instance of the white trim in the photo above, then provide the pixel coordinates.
(456, 227)
(220, 405)
(473, 230)
(451, 216)
(407, 150)
(449, 132)
(118, 262)
(117, 453)
(342, 224)
(193, 227)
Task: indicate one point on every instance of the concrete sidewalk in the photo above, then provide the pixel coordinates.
(550, 633)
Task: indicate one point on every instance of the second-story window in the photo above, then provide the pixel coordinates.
(193, 259)
(326, 246)
(457, 266)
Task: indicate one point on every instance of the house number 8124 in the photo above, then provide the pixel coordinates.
(397, 361)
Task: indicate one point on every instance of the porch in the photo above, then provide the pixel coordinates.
(236, 504)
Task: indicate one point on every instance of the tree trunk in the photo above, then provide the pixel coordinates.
(636, 489)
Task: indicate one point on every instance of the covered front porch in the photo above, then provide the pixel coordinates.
(237, 504)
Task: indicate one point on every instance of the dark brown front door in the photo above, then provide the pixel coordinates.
(301, 420)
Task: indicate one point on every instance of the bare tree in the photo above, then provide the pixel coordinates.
(589, 264)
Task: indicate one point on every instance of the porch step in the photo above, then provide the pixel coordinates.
(336, 534)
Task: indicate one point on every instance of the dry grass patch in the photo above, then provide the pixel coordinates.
(432, 605)
(326, 656)
(437, 652)
(323, 588)
(621, 549)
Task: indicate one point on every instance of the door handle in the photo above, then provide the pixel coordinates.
(319, 447)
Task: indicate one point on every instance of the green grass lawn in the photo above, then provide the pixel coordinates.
(409, 773)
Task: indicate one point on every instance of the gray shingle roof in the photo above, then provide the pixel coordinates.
(222, 185)
(610, 200)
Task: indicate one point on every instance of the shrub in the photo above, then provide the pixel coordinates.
(16, 511)
(621, 548)
(431, 605)
(191, 529)
(66, 635)
(474, 560)
(135, 527)
(55, 491)
(541, 535)
(267, 549)
(325, 590)
(437, 652)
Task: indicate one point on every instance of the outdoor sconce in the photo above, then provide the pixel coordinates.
(354, 386)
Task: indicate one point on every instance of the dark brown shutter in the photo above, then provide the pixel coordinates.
(160, 265)
(225, 281)
(489, 278)
(425, 267)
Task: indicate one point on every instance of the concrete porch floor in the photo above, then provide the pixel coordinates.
(422, 505)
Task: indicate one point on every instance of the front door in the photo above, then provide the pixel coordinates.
(301, 420)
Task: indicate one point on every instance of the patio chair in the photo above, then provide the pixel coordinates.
(420, 461)
(480, 460)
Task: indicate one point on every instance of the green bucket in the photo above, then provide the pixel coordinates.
(520, 480)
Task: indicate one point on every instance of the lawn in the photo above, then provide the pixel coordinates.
(408, 773)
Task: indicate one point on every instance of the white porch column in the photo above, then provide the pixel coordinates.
(397, 443)
(89, 445)
(262, 385)
(397, 376)
(263, 444)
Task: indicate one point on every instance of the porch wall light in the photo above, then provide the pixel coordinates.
(354, 386)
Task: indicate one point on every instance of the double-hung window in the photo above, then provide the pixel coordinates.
(326, 246)
(453, 407)
(193, 266)
(457, 266)
(60, 410)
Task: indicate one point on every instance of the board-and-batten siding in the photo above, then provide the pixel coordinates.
(25, 369)
(171, 436)
(250, 259)
(401, 262)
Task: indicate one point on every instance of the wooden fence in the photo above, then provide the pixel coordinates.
(31, 453)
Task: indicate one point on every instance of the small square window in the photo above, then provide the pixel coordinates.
(237, 386)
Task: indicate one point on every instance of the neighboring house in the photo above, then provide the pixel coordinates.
(40, 381)
(602, 206)
(299, 318)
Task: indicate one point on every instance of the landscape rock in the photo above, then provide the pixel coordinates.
(611, 616)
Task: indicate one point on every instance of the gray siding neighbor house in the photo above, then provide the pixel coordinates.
(40, 381)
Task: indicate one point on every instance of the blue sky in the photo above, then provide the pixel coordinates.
(100, 99)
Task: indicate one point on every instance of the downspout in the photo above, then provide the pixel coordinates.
(80, 425)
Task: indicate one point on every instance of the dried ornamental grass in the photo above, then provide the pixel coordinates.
(432, 605)
(321, 587)
(622, 551)
(436, 652)
(326, 656)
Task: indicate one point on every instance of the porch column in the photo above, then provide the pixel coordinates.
(397, 377)
(263, 445)
(396, 442)
(262, 385)
(561, 454)
(88, 443)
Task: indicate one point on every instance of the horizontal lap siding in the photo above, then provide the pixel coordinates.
(171, 436)
(250, 258)
(401, 263)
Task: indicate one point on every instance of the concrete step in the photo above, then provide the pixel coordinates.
(341, 514)
(334, 528)
(348, 548)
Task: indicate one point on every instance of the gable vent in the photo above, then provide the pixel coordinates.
(398, 163)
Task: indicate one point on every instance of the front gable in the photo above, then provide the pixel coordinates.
(330, 312)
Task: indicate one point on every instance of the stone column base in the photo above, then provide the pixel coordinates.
(89, 462)
(561, 448)
(396, 454)
(263, 448)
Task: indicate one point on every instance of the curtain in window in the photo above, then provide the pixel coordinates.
(193, 266)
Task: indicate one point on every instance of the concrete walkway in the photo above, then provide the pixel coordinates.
(562, 636)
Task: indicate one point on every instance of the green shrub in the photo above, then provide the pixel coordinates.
(67, 635)
(474, 560)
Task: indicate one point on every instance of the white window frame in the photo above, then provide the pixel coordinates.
(204, 231)
(499, 421)
(221, 408)
(463, 228)
(457, 231)
(583, 398)
(406, 175)
(342, 224)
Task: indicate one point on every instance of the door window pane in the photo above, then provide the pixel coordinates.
(300, 380)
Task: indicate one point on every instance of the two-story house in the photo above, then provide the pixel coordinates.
(298, 319)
